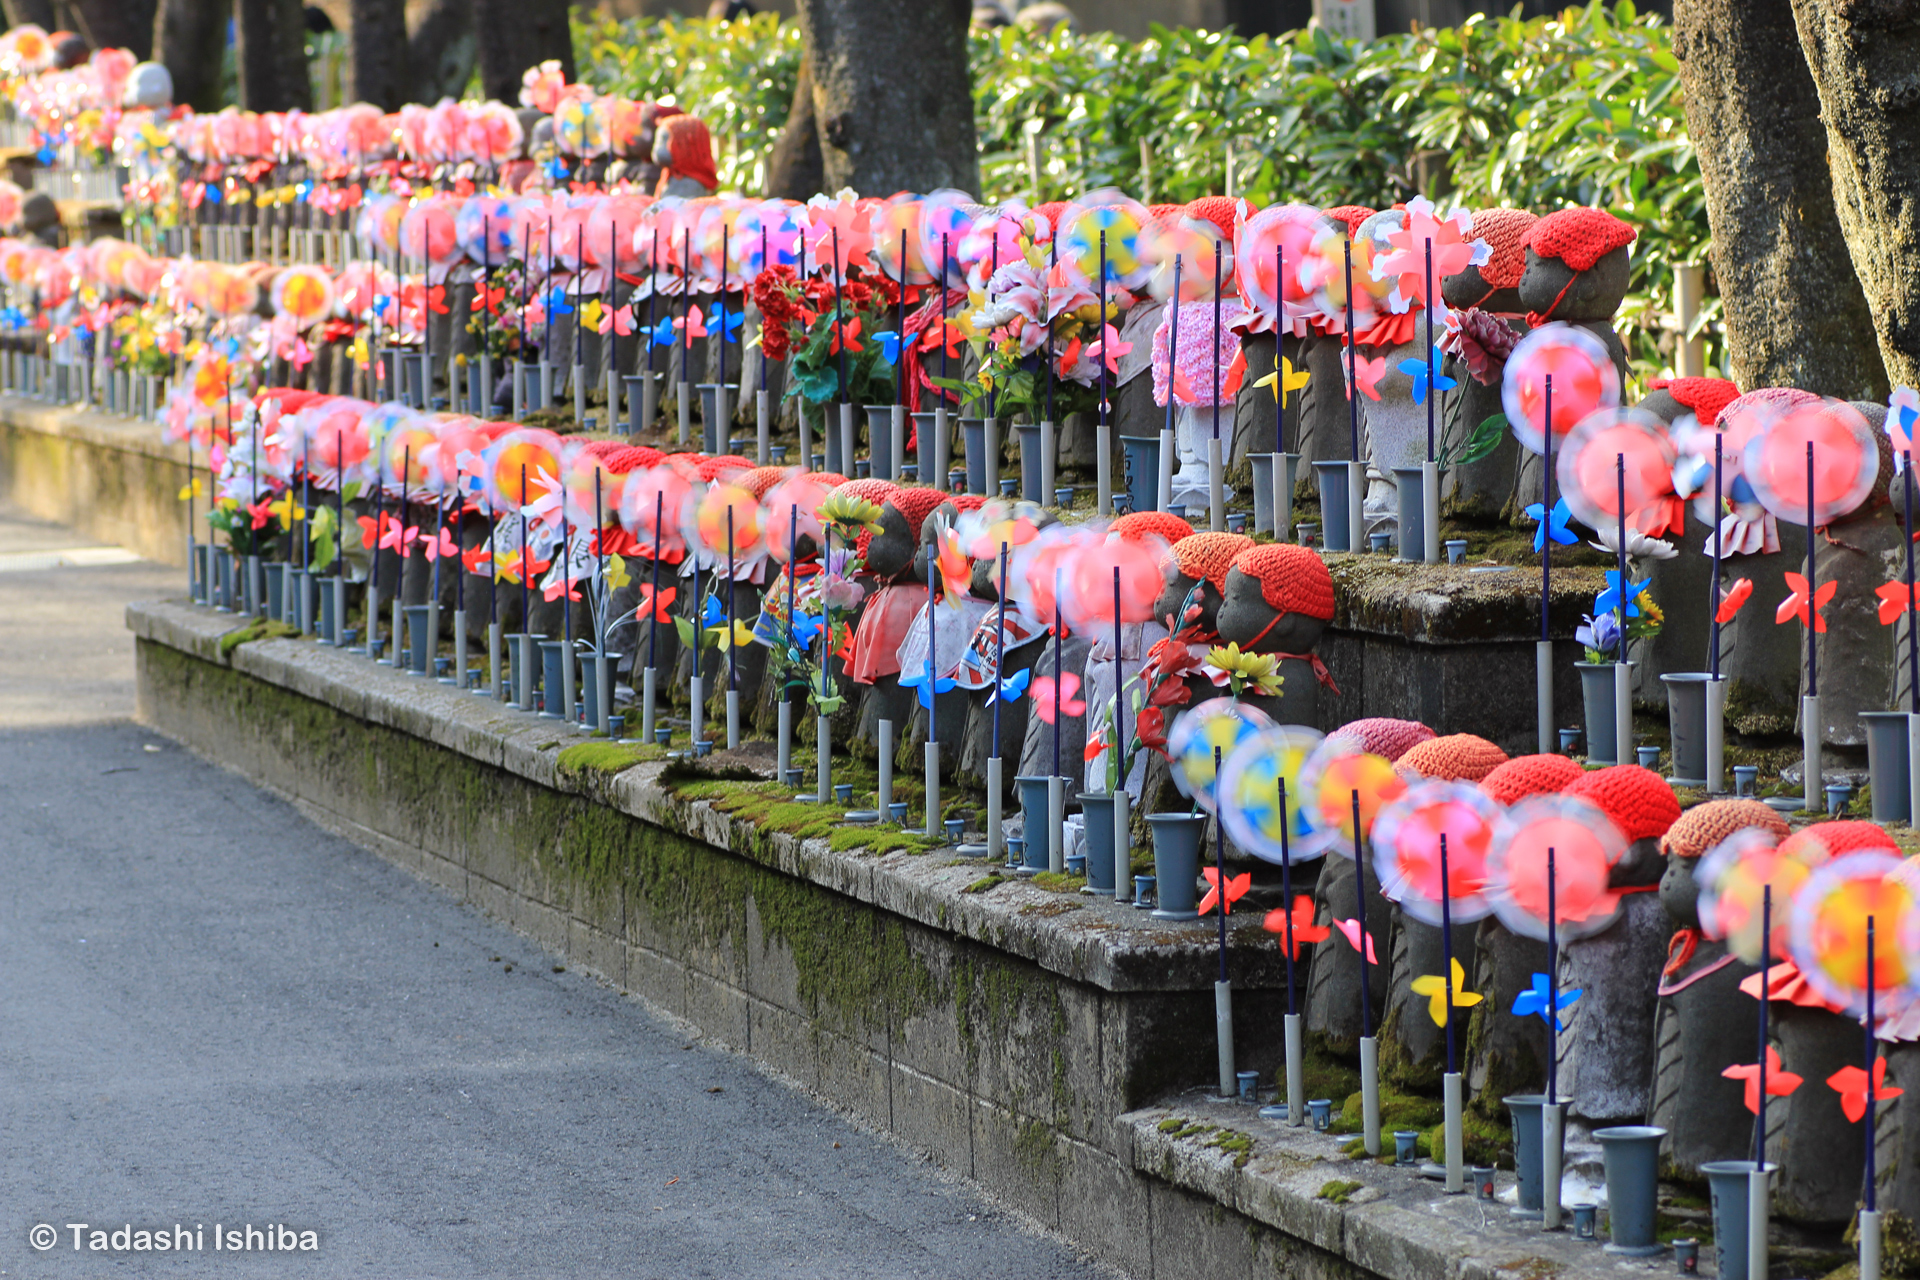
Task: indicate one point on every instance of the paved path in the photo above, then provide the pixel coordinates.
(213, 1011)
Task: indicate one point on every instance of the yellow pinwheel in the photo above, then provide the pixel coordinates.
(288, 509)
(1434, 987)
(1286, 380)
(590, 315)
(617, 575)
(725, 638)
(191, 490)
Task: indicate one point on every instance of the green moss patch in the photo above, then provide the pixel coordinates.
(263, 629)
(601, 757)
(1338, 1191)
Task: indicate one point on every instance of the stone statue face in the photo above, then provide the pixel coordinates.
(890, 553)
(1246, 619)
(1592, 295)
(1174, 594)
(1679, 894)
(1470, 289)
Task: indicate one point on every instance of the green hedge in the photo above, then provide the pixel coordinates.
(1542, 113)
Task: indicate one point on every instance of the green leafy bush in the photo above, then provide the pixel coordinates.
(1542, 113)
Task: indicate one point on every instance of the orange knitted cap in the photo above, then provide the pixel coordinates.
(873, 489)
(1161, 212)
(1385, 737)
(831, 479)
(916, 503)
(1705, 396)
(1351, 214)
(1505, 231)
(1458, 757)
(1706, 825)
(1292, 578)
(1579, 237)
(761, 480)
(1640, 803)
(1525, 776)
(1209, 555)
(1139, 526)
(1823, 840)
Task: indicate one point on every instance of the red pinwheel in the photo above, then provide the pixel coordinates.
(1406, 849)
(1780, 1082)
(1585, 845)
(1896, 598)
(654, 607)
(1584, 380)
(1087, 596)
(1851, 1083)
(1304, 930)
(1237, 887)
(1368, 373)
(1043, 691)
(1845, 462)
(1735, 596)
(1795, 605)
(1589, 468)
(443, 545)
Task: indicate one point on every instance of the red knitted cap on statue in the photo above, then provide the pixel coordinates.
(1051, 211)
(1706, 825)
(916, 503)
(965, 502)
(1351, 214)
(1219, 210)
(1458, 757)
(1824, 840)
(831, 479)
(761, 480)
(631, 457)
(1525, 776)
(873, 489)
(1505, 231)
(1292, 578)
(1139, 526)
(1161, 211)
(1384, 736)
(1209, 555)
(1579, 237)
(1705, 396)
(1768, 398)
(1638, 800)
(714, 468)
(602, 449)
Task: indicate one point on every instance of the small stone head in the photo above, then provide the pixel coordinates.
(1278, 598)
(1576, 266)
(1203, 561)
(1494, 285)
(1696, 832)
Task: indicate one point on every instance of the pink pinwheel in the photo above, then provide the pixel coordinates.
(694, 323)
(1043, 693)
(398, 538)
(1109, 348)
(444, 545)
(617, 319)
(1368, 372)
(837, 227)
(1407, 260)
(1780, 1082)
(553, 589)
(1237, 887)
(1350, 930)
(1795, 605)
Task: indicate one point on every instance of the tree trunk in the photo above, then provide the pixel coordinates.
(892, 95)
(794, 168)
(1795, 312)
(189, 37)
(377, 53)
(1863, 55)
(270, 52)
(513, 35)
(440, 51)
(21, 12)
(117, 24)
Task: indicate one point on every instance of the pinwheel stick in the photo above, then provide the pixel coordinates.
(783, 757)
(1216, 482)
(733, 644)
(1451, 1103)
(1810, 724)
(400, 547)
(1870, 1213)
(1357, 463)
(1757, 1188)
(1622, 668)
(1222, 988)
(1296, 1078)
(1369, 1047)
(1165, 494)
(996, 694)
(1543, 648)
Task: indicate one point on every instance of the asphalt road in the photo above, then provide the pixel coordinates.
(211, 1011)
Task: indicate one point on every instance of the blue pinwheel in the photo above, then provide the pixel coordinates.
(662, 334)
(804, 627)
(1558, 527)
(927, 686)
(715, 614)
(1014, 685)
(381, 303)
(557, 303)
(557, 170)
(1536, 999)
(1417, 370)
(729, 322)
(889, 346)
(1609, 600)
(213, 195)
